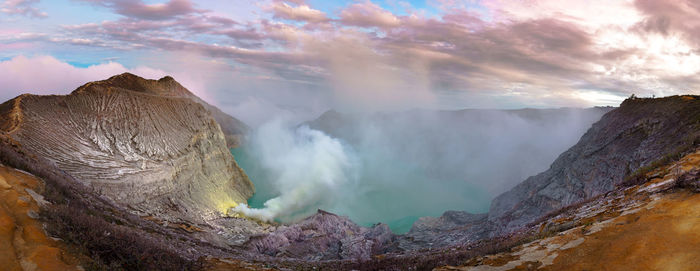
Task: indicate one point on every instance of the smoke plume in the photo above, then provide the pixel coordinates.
(306, 166)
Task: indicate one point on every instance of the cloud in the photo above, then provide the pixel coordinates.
(400, 67)
(22, 7)
(139, 9)
(47, 75)
(588, 14)
(368, 14)
(671, 17)
(360, 78)
(302, 12)
(504, 54)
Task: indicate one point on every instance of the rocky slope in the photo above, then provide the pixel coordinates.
(233, 129)
(636, 134)
(146, 144)
(654, 225)
(626, 139)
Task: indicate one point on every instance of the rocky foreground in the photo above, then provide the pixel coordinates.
(23, 243)
(650, 226)
(136, 174)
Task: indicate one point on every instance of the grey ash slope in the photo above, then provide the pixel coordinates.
(233, 129)
(146, 144)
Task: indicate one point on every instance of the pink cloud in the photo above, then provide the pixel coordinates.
(368, 14)
(16, 46)
(297, 13)
(668, 16)
(141, 10)
(22, 7)
(530, 50)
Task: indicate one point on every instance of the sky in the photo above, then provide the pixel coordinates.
(259, 59)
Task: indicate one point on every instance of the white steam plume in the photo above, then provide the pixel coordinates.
(307, 167)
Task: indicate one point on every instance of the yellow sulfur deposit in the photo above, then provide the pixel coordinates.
(224, 206)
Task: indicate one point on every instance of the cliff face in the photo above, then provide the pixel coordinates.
(651, 225)
(639, 132)
(146, 144)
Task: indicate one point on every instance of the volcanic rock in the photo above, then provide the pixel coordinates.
(233, 129)
(323, 236)
(146, 144)
(636, 134)
(453, 227)
(626, 139)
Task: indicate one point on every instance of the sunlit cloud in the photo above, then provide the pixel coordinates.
(283, 10)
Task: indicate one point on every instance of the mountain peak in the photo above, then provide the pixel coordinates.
(166, 86)
(166, 78)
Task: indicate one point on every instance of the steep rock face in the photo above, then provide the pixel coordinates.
(632, 136)
(616, 230)
(639, 132)
(142, 146)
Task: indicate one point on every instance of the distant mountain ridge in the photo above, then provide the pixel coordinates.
(341, 125)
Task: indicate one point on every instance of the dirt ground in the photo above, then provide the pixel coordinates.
(23, 243)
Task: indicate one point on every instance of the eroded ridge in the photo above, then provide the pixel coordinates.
(159, 155)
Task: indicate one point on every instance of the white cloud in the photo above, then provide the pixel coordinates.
(297, 13)
(48, 75)
(368, 14)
